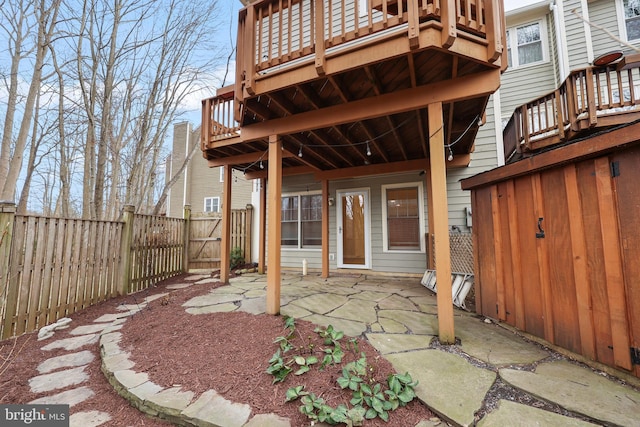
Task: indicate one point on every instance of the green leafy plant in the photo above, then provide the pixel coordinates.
(236, 257)
(368, 398)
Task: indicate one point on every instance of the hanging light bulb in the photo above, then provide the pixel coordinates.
(300, 151)
(450, 158)
(368, 149)
(261, 165)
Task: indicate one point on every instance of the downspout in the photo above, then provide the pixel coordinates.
(561, 40)
(497, 114)
(587, 30)
(187, 149)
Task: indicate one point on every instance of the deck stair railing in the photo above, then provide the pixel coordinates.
(589, 98)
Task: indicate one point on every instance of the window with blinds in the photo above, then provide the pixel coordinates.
(403, 218)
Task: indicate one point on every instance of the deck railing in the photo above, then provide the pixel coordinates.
(588, 98)
(272, 33)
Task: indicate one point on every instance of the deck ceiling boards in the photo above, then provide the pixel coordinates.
(392, 138)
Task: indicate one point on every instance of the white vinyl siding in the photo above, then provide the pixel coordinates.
(575, 32)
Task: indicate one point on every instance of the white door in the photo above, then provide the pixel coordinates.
(353, 233)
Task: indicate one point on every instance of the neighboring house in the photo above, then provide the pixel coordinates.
(199, 185)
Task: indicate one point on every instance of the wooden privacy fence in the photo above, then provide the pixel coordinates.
(52, 267)
(205, 234)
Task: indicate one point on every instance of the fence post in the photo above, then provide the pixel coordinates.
(186, 233)
(248, 228)
(125, 250)
(7, 216)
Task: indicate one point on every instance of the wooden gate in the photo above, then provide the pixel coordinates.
(205, 234)
(557, 254)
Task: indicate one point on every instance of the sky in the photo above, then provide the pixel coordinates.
(515, 4)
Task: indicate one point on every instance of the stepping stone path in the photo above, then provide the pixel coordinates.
(397, 316)
(68, 369)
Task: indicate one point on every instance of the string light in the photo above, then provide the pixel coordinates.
(450, 158)
(368, 149)
(300, 151)
(261, 165)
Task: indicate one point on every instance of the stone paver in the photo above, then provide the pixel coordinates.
(211, 299)
(58, 379)
(253, 305)
(579, 390)
(180, 285)
(494, 344)
(268, 420)
(218, 308)
(516, 415)
(70, 397)
(416, 322)
(72, 343)
(171, 401)
(358, 310)
(349, 327)
(390, 326)
(131, 379)
(66, 361)
(145, 390)
(89, 329)
(448, 384)
(88, 419)
(321, 303)
(396, 343)
(214, 409)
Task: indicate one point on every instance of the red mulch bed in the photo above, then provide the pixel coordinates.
(228, 352)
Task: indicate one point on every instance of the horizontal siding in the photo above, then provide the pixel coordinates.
(603, 14)
(576, 39)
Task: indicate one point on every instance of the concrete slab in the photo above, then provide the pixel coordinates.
(448, 384)
(357, 309)
(88, 419)
(66, 361)
(268, 420)
(416, 322)
(397, 343)
(171, 401)
(60, 379)
(72, 343)
(217, 411)
(516, 415)
(494, 344)
(211, 299)
(70, 397)
(321, 303)
(579, 390)
(349, 327)
(219, 308)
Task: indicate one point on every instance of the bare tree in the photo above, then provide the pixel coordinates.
(29, 27)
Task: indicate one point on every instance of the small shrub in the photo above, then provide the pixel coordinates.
(236, 258)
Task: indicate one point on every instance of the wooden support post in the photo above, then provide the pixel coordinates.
(225, 244)
(262, 236)
(7, 216)
(494, 13)
(275, 215)
(413, 24)
(319, 38)
(448, 12)
(125, 250)
(325, 228)
(440, 215)
(186, 237)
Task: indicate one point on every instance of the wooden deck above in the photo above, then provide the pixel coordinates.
(589, 101)
(354, 94)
